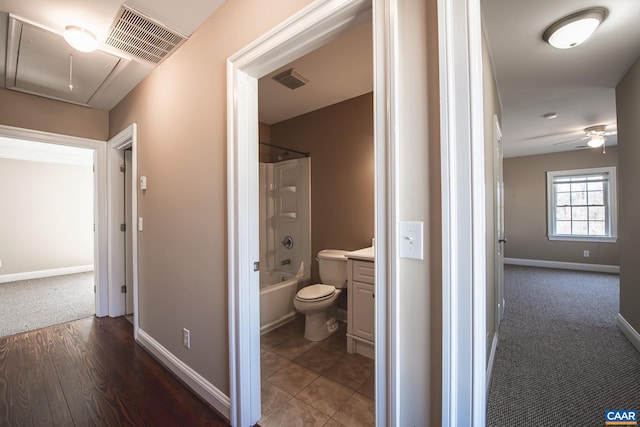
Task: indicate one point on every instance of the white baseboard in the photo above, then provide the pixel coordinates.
(196, 382)
(492, 358)
(600, 268)
(628, 331)
(15, 277)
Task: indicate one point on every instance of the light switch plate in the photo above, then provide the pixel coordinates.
(411, 241)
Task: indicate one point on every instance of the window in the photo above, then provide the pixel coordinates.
(581, 205)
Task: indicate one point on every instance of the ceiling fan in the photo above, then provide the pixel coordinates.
(595, 135)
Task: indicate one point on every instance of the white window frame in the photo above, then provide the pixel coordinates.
(611, 205)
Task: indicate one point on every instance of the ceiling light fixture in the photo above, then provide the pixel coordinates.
(596, 141)
(574, 29)
(80, 38)
(550, 115)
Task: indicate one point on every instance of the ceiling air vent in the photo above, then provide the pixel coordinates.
(141, 37)
(291, 78)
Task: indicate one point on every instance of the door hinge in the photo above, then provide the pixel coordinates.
(123, 168)
(123, 289)
(123, 227)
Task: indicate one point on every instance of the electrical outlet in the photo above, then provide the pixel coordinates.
(586, 254)
(186, 338)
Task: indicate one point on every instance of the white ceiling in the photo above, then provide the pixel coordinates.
(534, 78)
(337, 71)
(43, 63)
(16, 149)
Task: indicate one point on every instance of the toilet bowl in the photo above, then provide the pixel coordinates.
(318, 302)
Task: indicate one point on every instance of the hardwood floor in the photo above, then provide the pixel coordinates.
(91, 372)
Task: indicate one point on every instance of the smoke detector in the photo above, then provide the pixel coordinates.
(291, 78)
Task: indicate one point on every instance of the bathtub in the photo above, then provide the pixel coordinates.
(277, 290)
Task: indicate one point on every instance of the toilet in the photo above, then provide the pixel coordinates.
(318, 302)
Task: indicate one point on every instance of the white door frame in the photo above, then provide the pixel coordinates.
(127, 138)
(307, 30)
(100, 200)
(498, 188)
(463, 202)
(463, 213)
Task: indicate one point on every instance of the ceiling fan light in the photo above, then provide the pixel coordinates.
(574, 29)
(596, 141)
(80, 39)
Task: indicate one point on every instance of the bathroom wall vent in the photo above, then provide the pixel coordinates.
(141, 37)
(291, 78)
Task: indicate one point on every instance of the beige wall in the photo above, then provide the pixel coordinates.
(340, 140)
(419, 293)
(180, 109)
(33, 112)
(491, 108)
(628, 111)
(47, 220)
(526, 208)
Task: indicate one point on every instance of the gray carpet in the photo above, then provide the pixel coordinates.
(36, 303)
(561, 360)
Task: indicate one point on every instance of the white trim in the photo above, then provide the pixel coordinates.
(628, 331)
(587, 239)
(28, 275)
(100, 200)
(127, 138)
(463, 214)
(600, 268)
(305, 31)
(611, 205)
(490, 363)
(385, 106)
(196, 382)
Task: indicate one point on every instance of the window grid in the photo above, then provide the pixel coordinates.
(580, 205)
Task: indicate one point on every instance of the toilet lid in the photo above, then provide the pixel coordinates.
(315, 292)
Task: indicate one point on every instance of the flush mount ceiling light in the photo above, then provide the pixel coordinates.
(574, 29)
(80, 39)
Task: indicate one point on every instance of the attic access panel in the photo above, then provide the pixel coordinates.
(38, 63)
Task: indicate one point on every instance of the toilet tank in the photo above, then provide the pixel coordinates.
(333, 267)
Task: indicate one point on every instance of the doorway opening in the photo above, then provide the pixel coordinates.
(123, 225)
(317, 200)
(98, 223)
(310, 29)
(46, 226)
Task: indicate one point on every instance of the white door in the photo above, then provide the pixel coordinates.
(499, 219)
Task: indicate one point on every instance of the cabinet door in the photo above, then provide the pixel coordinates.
(363, 310)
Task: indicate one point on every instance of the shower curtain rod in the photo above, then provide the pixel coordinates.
(306, 154)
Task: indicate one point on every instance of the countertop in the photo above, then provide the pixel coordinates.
(365, 254)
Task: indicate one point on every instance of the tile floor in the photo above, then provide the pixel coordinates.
(314, 384)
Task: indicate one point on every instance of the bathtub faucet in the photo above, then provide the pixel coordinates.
(285, 262)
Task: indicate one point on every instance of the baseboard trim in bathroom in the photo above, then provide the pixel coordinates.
(275, 325)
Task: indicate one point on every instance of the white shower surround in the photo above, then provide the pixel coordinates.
(285, 210)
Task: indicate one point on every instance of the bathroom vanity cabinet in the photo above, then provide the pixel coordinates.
(361, 302)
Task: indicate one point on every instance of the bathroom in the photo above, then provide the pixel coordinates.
(317, 380)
